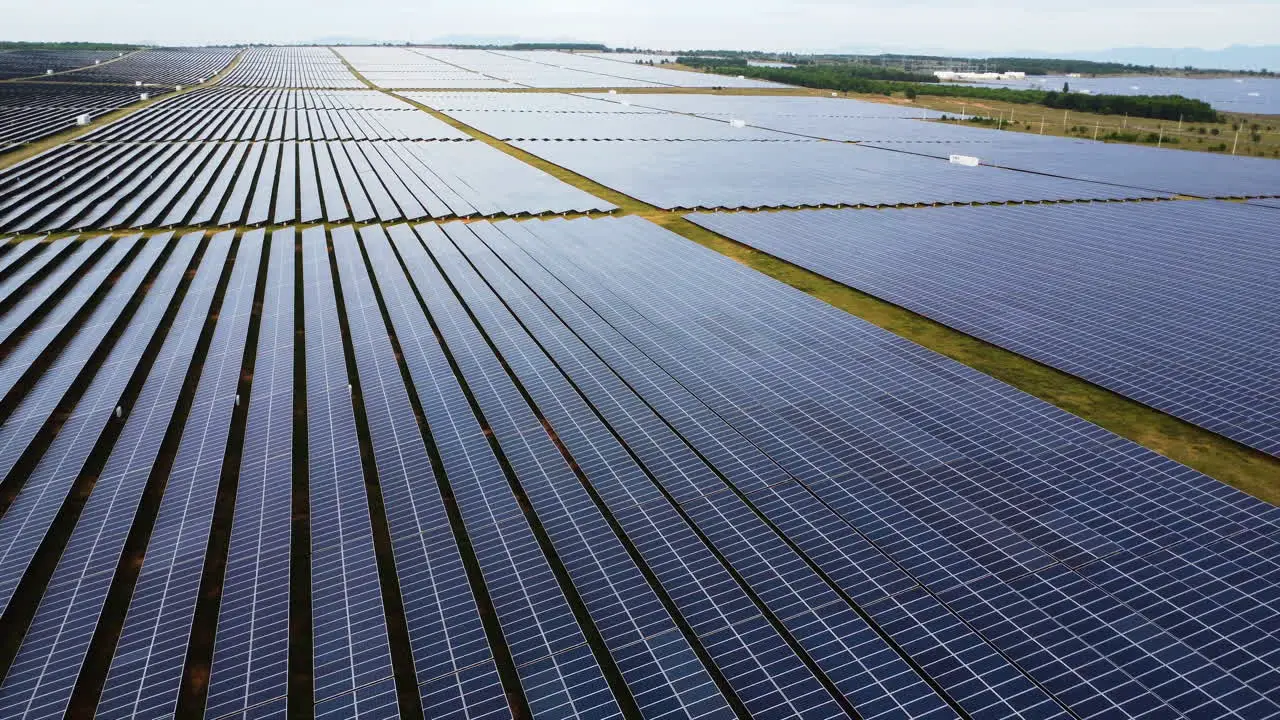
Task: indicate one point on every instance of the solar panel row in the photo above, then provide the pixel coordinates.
(30, 111)
(455, 68)
(352, 673)
(44, 672)
(251, 653)
(19, 63)
(765, 175)
(163, 123)
(120, 185)
(160, 66)
(616, 470)
(1178, 316)
(146, 671)
(290, 67)
(219, 97)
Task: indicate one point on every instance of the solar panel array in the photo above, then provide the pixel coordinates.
(161, 66)
(1177, 316)
(30, 111)
(728, 175)
(25, 63)
(232, 183)
(290, 67)
(617, 473)
(1185, 173)
(277, 115)
(455, 68)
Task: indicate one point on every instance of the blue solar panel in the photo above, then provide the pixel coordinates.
(26, 521)
(1093, 652)
(625, 609)
(251, 647)
(655, 292)
(17, 363)
(1174, 317)
(146, 672)
(791, 174)
(445, 628)
(349, 630)
(44, 672)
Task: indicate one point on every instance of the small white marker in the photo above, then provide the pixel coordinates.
(119, 411)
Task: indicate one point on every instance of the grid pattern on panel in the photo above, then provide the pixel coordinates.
(30, 111)
(1171, 171)
(44, 672)
(570, 126)
(290, 67)
(79, 288)
(146, 673)
(732, 175)
(445, 629)
(1033, 458)
(28, 62)
(691, 580)
(626, 611)
(251, 647)
(26, 521)
(349, 631)
(39, 295)
(786, 586)
(160, 66)
(1175, 317)
(293, 119)
(122, 185)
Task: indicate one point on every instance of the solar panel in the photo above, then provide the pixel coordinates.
(444, 624)
(17, 363)
(146, 672)
(48, 663)
(43, 292)
(351, 650)
(44, 489)
(677, 577)
(1168, 318)
(49, 254)
(611, 585)
(286, 207)
(755, 175)
(642, 259)
(251, 646)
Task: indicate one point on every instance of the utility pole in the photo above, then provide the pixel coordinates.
(1097, 125)
(1042, 124)
(1160, 140)
(1235, 142)
(1179, 123)
(1126, 120)
(1064, 120)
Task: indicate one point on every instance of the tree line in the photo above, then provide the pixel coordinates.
(875, 80)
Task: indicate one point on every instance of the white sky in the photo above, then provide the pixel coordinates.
(992, 26)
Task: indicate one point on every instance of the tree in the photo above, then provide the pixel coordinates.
(1066, 88)
(910, 93)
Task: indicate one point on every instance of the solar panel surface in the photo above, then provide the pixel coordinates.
(1166, 303)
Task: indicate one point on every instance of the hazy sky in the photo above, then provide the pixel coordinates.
(935, 25)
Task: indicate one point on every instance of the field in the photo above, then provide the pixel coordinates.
(431, 382)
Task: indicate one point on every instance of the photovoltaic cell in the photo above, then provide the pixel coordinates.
(445, 628)
(44, 672)
(251, 647)
(626, 610)
(351, 651)
(1168, 317)
(146, 672)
